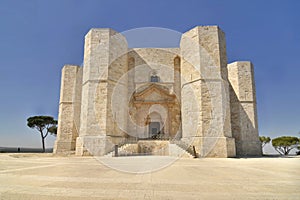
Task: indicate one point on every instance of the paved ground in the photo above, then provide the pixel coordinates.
(42, 176)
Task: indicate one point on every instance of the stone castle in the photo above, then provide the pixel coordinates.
(151, 99)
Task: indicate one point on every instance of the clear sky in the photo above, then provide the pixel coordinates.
(38, 37)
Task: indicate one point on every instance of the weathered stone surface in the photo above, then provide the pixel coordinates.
(243, 109)
(187, 93)
(205, 49)
(151, 147)
(69, 109)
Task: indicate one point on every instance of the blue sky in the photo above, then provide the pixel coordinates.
(38, 37)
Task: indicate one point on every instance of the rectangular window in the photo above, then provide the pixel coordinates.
(154, 79)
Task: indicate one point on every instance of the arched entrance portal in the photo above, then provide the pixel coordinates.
(155, 113)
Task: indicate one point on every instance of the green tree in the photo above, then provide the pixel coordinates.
(285, 144)
(53, 130)
(264, 140)
(44, 125)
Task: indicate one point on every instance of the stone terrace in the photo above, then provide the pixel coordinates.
(43, 176)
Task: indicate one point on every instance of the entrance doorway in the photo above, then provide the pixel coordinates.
(154, 129)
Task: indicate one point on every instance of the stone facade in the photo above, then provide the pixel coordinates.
(188, 95)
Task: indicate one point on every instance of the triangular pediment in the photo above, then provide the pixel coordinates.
(154, 93)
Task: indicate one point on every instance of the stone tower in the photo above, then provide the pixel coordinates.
(205, 49)
(158, 97)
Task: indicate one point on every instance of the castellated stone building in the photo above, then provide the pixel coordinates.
(158, 100)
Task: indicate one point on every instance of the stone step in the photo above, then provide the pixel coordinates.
(131, 149)
(177, 151)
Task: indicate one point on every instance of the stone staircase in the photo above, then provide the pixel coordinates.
(188, 148)
(177, 151)
(174, 150)
(123, 150)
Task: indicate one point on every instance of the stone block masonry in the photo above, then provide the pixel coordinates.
(190, 94)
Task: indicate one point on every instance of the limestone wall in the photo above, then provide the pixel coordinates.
(104, 64)
(96, 51)
(205, 94)
(117, 112)
(160, 62)
(214, 107)
(69, 109)
(154, 60)
(243, 108)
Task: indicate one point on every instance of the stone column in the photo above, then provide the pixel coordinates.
(243, 109)
(177, 79)
(205, 94)
(177, 89)
(69, 109)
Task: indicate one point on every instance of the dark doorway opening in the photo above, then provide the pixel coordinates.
(154, 128)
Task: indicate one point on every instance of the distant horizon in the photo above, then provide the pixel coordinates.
(268, 149)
